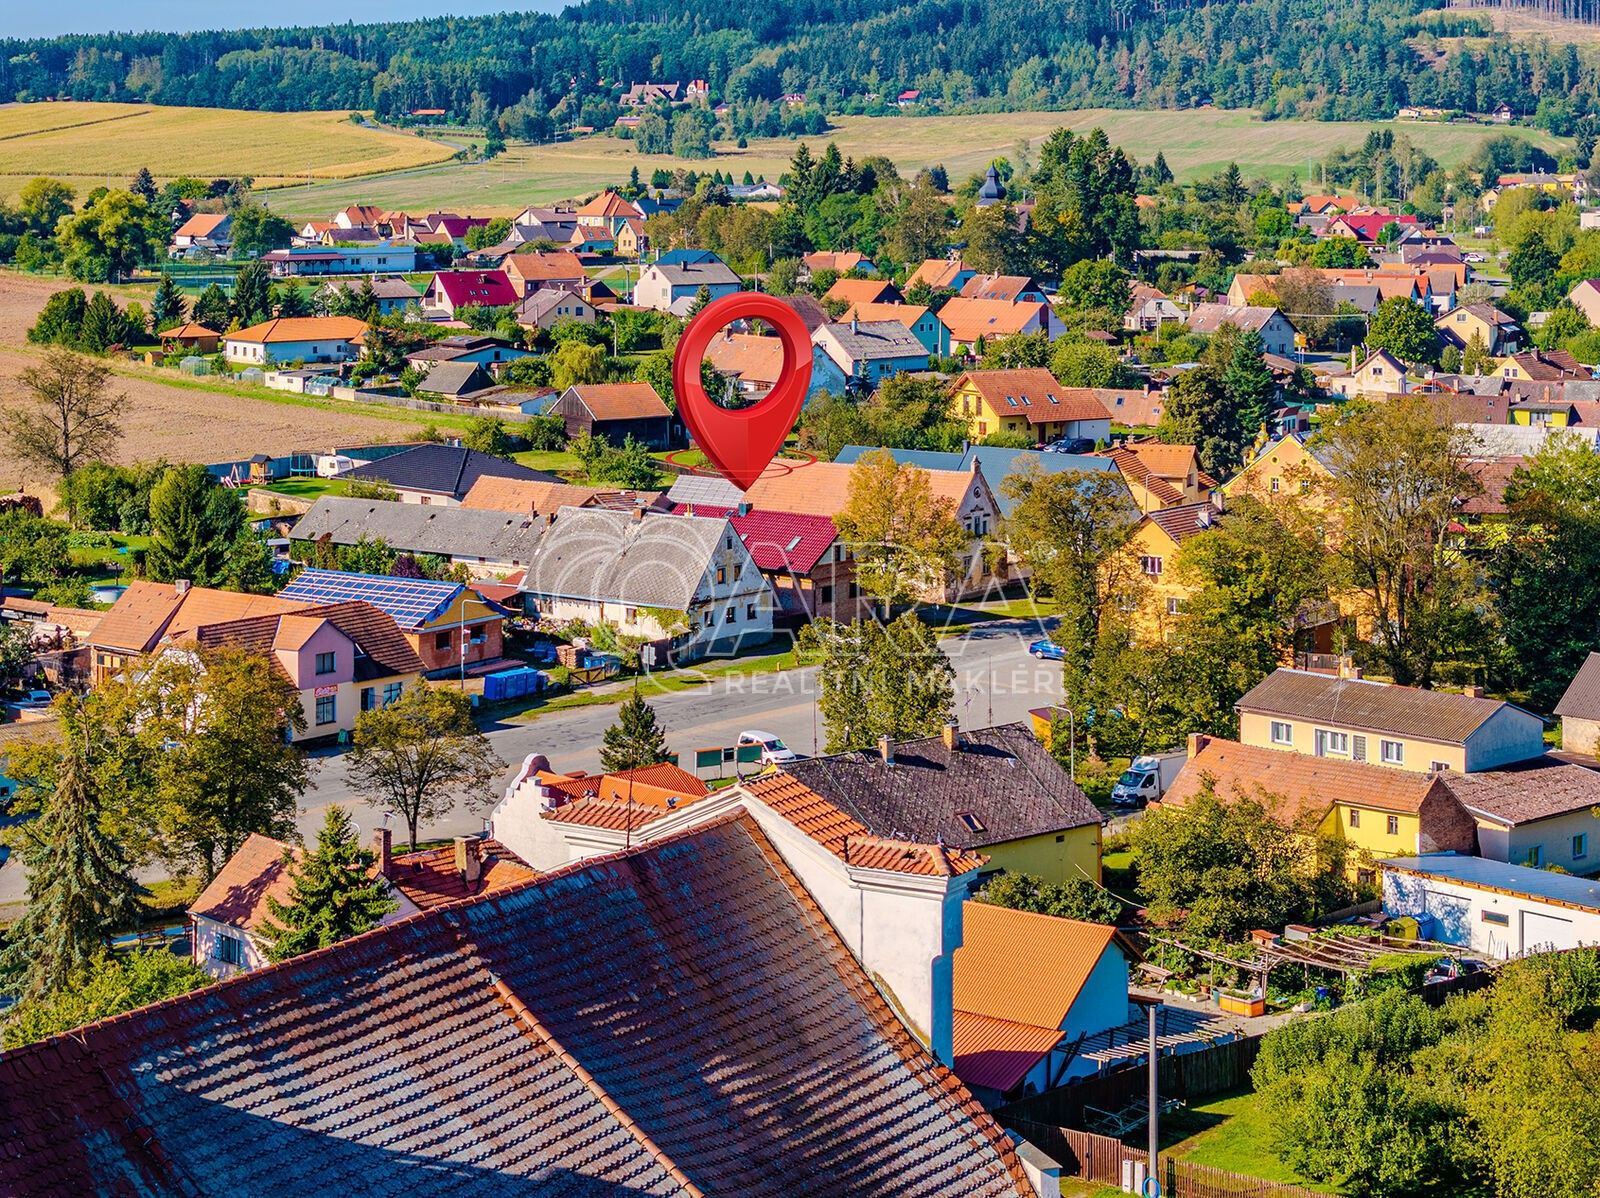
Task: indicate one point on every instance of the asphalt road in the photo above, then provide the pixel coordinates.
(996, 682)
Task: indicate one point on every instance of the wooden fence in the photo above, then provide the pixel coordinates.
(1099, 1159)
(1188, 1076)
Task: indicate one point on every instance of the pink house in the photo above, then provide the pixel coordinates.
(454, 289)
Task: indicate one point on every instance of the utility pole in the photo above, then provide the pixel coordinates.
(1152, 1185)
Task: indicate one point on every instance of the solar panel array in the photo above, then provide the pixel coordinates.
(411, 601)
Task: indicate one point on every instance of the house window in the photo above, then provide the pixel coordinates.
(229, 950)
(442, 640)
(731, 616)
(1305, 486)
(1500, 919)
(827, 594)
(325, 663)
(1438, 767)
(1355, 818)
(1282, 733)
(327, 709)
(1151, 566)
(1580, 846)
(369, 698)
(750, 611)
(1536, 856)
(722, 575)
(1393, 825)
(970, 821)
(392, 692)
(1172, 607)
(1392, 752)
(1358, 748)
(1335, 744)
(1273, 486)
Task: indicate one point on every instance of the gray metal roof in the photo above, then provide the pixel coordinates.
(704, 489)
(1497, 875)
(649, 561)
(695, 274)
(423, 528)
(868, 340)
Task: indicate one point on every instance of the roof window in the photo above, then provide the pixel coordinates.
(971, 822)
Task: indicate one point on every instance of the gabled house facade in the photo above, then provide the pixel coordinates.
(1028, 400)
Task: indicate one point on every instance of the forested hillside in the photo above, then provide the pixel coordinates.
(1313, 58)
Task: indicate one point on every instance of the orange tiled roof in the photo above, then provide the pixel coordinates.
(938, 273)
(429, 877)
(1302, 785)
(755, 359)
(849, 840)
(148, 611)
(969, 319)
(823, 488)
(238, 895)
(863, 291)
(303, 328)
(621, 401)
(997, 1053)
(1026, 968)
(1048, 401)
(608, 203)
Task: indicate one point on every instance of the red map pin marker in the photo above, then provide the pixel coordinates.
(742, 442)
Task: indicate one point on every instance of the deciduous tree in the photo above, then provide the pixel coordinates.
(420, 754)
(879, 680)
(110, 984)
(69, 414)
(905, 540)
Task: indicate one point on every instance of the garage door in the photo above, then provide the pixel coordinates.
(1546, 931)
(1449, 911)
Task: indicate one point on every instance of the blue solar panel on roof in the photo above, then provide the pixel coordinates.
(410, 601)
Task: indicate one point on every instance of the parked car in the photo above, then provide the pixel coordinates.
(1474, 256)
(1047, 649)
(773, 750)
(35, 698)
(1071, 445)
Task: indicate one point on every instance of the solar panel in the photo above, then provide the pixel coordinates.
(410, 601)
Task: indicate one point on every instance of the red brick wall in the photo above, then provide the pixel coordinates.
(449, 658)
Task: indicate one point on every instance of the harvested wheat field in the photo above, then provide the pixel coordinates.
(92, 143)
(179, 423)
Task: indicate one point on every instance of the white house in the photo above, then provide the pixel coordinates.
(870, 351)
(672, 287)
(207, 232)
(687, 579)
(896, 905)
(1495, 909)
(297, 339)
(1277, 333)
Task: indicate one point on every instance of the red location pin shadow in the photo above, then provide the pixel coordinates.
(742, 442)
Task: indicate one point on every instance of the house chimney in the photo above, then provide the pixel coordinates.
(1197, 741)
(855, 324)
(380, 849)
(952, 736)
(467, 863)
(743, 508)
(1472, 692)
(886, 750)
(180, 586)
(637, 515)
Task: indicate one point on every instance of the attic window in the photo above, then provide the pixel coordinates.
(1051, 397)
(971, 821)
(1026, 402)
(1012, 400)
(790, 547)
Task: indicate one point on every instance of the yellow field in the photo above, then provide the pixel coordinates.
(89, 144)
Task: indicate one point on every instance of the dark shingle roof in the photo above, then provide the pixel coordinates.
(385, 652)
(678, 1018)
(1358, 703)
(442, 469)
(1527, 791)
(1002, 777)
(1581, 699)
(498, 536)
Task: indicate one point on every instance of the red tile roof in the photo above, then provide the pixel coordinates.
(431, 877)
(238, 895)
(678, 1019)
(1035, 393)
(778, 541)
(621, 401)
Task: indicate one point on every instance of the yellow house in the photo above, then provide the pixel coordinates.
(1499, 333)
(1399, 727)
(1161, 476)
(1030, 401)
(1283, 467)
(1156, 542)
(996, 792)
(1375, 812)
(1380, 376)
(630, 239)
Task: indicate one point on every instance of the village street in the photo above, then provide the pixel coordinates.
(991, 662)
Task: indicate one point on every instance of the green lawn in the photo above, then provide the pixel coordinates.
(1231, 1131)
(96, 560)
(306, 488)
(555, 461)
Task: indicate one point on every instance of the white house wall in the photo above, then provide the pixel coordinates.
(1507, 736)
(1468, 915)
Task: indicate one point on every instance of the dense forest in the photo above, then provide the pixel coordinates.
(1309, 58)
